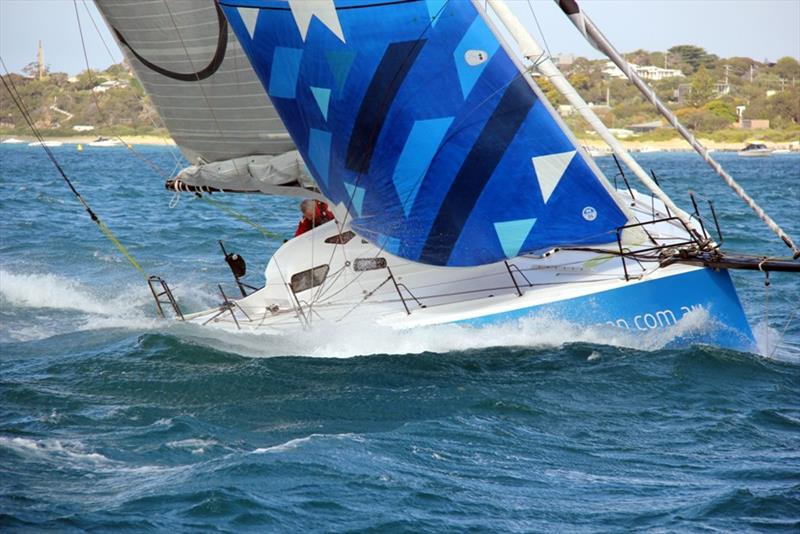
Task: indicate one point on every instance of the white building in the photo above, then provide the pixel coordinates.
(566, 110)
(647, 72)
(110, 84)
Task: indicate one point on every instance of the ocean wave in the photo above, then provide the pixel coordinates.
(297, 442)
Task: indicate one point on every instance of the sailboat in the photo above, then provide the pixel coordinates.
(460, 196)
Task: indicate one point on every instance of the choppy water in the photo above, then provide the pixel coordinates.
(110, 420)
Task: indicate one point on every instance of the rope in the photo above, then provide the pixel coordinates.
(104, 229)
(785, 329)
(242, 217)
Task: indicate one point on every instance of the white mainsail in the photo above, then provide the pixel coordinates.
(194, 70)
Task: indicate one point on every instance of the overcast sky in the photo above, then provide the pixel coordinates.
(761, 29)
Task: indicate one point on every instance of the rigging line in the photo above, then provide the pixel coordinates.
(241, 217)
(106, 231)
(99, 34)
(86, 58)
(91, 77)
(593, 34)
(536, 19)
(783, 332)
(197, 76)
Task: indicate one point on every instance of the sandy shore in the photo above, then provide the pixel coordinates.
(674, 145)
(85, 139)
(671, 145)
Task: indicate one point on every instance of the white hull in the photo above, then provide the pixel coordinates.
(105, 144)
(755, 153)
(46, 143)
(405, 294)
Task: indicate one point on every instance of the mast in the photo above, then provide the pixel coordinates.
(599, 41)
(533, 51)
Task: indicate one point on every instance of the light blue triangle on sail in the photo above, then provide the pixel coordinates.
(340, 63)
(323, 98)
(435, 9)
(512, 234)
(417, 154)
(319, 152)
(357, 195)
(284, 72)
(477, 37)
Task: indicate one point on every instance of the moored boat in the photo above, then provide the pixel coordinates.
(755, 150)
(104, 142)
(49, 144)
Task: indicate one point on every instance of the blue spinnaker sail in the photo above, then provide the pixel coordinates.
(412, 115)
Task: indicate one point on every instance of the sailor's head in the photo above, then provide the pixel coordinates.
(309, 208)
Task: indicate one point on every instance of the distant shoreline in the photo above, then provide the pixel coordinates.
(669, 145)
(86, 139)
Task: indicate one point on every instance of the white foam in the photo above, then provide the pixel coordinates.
(344, 341)
(297, 442)
(50, 291)
(130, 307)
(49, 448)
(771, 344)
(196, 446)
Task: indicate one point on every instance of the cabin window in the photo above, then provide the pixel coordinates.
(307, 279)
(369, 264)
(341, 239)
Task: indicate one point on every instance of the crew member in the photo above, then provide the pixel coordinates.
(314, 213)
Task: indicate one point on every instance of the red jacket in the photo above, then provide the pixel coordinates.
(322, 214)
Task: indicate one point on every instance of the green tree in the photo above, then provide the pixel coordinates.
(787, 68)
(702, 88)
(724, 109)
(692, 56)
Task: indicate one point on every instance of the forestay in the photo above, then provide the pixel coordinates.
(413, 116)
(195, 72)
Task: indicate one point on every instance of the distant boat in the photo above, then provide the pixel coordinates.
(597, 152)
(648, 149)
(104, 142)
(12, 141)
(46, 143)
(753, 150)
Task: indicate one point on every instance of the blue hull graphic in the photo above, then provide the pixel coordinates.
(656, 304)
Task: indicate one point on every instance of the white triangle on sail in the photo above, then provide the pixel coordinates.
(249, 17)
(549, 170)
(512, 235)
(324, 10)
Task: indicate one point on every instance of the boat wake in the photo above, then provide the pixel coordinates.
(48, 297)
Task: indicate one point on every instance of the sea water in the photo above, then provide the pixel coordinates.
(113, 420)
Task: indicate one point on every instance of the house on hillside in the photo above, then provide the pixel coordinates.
(752, 124)
(108, 85)
(647, 72)
(644, 127)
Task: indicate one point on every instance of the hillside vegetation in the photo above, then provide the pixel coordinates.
(705, 98)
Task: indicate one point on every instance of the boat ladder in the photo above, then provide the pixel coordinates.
(163, 296)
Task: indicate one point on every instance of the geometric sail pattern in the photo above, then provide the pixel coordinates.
(413, 116)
